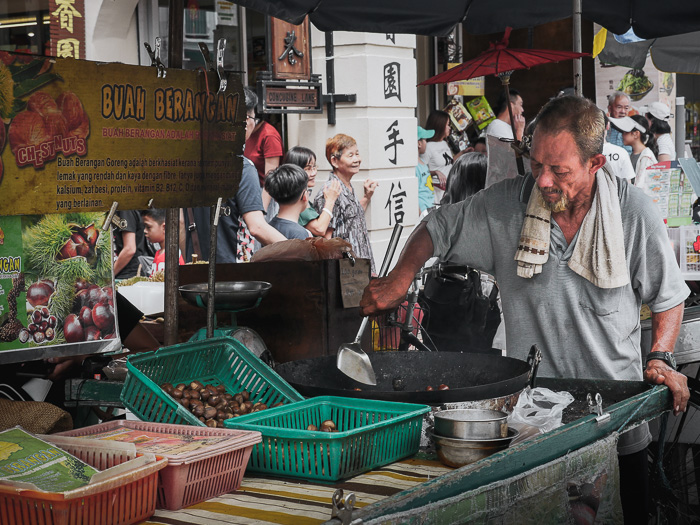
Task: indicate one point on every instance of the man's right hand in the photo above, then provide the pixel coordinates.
(388, 293)
(383, 295)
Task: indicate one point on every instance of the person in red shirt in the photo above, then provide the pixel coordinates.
(154, 230)
(264, 145)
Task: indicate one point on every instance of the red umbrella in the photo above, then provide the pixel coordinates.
(501, 61)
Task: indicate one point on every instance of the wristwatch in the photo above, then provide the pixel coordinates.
(666, 357)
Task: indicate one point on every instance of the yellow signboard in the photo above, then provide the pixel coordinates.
(474, 87)
(78, 136)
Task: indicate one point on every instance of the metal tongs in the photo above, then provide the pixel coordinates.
(352, 360)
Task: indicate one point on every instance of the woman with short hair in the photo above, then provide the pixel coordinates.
(348, 214)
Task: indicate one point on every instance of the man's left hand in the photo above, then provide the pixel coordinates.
(659, 373)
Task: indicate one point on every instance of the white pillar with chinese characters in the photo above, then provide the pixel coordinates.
(381, 70)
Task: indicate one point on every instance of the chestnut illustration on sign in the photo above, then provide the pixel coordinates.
(72, 329)
(42, 323)
(92, 317)
(46, 118)
(81, 243)
(39, 293)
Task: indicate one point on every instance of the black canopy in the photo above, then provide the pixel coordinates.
(649, 18)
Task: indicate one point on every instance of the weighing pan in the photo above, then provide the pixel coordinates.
(229, 296)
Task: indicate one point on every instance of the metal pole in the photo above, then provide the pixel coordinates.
(578, 64)
(172, 217)
(330, 77)
(211, 285)
(680, 127)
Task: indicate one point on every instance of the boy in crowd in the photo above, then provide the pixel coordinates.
(287, 185)
(154, 230)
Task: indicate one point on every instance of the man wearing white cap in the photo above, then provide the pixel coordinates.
(618, 160)
(635, 133)
(658, 115)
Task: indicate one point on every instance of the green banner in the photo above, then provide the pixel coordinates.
(55, 281)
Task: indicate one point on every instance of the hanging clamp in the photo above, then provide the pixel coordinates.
(155, 57)
(220, 49)
(343, 507)
(596, 407)
(113, 218)
(219, 68)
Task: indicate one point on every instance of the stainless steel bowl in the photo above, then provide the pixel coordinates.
(471, 423)
(458, 452)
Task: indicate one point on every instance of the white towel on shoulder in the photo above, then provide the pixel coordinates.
(599, 254)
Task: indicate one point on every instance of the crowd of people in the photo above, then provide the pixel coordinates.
(275, 198)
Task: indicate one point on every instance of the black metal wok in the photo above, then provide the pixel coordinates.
(404, 376)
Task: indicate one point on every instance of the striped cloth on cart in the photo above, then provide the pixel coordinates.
(285, 501)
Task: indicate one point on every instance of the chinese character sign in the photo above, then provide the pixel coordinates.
(395, 204)
(291, 50)
(393, 141)
(392, 80)
(67, 23)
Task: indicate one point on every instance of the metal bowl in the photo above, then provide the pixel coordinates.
(229, 296)
(471, 423)
(458, 452)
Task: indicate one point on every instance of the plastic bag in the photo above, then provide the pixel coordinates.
(541, 408)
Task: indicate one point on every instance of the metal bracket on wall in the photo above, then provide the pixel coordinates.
(331, 98)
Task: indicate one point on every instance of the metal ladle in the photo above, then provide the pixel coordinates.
(352, 360)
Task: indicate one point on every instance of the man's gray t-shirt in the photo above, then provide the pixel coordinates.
(583, 331)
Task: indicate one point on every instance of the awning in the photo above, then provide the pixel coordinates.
(648, 18)
(673, 54)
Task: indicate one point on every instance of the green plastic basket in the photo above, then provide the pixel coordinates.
(370, 434)
(221, 360)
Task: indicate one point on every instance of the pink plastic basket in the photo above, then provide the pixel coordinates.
(194, 476)
(126, 498)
